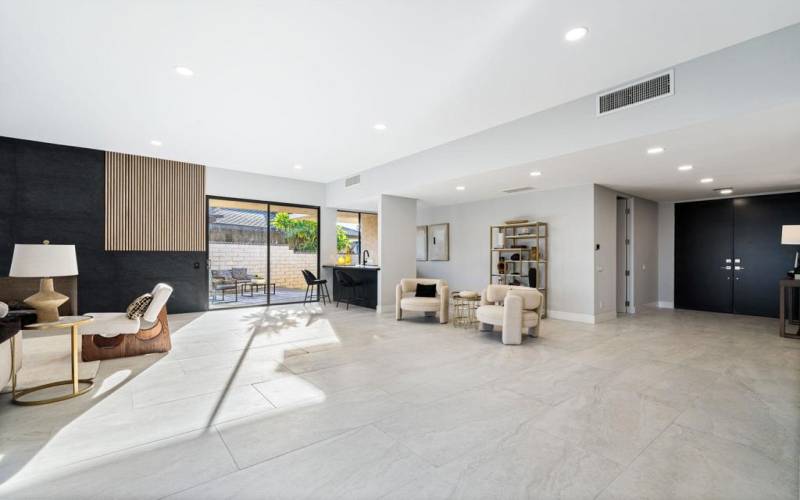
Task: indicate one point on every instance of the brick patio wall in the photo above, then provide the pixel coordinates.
(286, 264)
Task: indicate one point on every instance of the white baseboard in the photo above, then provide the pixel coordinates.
(569, 316)
(664, 304)
(606, 316)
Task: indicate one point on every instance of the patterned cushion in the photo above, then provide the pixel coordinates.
(138, 307)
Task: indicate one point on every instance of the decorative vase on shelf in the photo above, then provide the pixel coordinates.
(532, 277)
(501, 266)
(501, 240)
(348, 259)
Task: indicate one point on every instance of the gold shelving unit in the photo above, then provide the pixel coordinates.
(529, 241)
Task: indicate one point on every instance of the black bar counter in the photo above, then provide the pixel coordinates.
(368, 290)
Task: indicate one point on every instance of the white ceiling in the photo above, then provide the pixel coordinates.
(754, 153)
(284, 82)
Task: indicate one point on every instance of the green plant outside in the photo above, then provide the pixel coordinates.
(301, 235)
(342, 241)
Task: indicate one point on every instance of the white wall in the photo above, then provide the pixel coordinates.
(666, 254)
(569, 213)
(644, 252)
(605, 259)
(397, 223)
(234, 184)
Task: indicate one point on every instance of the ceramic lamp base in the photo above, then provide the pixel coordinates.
(46, 301)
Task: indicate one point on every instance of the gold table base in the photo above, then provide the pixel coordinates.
(464, 311)
(75, 381)
(19, 394)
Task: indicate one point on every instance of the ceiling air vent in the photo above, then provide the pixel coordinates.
(652, 88)
(518, 190)
(352, 181)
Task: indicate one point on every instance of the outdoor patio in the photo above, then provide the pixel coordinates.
(281, 296)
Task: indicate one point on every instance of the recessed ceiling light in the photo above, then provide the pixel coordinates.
(685, 168)
(460, 188)
(706, 180)
(184, 71)
(724, 191)
(576, 34)
(655, 150)
(379, 126)
(297, 166)
(156, 142)
(536, 174)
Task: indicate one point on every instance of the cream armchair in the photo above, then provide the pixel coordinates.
(406, 299)
(514, 308)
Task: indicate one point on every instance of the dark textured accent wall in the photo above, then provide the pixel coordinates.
(57, 193)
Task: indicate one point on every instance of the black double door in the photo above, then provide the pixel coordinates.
(728, 253)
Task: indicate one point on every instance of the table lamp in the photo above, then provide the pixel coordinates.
(44, 261)
(790, 235)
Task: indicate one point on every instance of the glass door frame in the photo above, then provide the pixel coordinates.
(269, 204)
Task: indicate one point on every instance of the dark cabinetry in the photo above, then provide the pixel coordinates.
(728, 253)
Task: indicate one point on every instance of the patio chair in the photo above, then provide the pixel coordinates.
(223, 281)
(239, 274)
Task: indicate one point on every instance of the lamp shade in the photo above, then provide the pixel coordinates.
(43, 261)
(790, 235)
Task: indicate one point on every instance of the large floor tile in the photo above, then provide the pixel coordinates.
(731, 410)
(680, 386)
(265, 436)
(616, 424)
(529, 463)
(84, 439)
(364, 463)
(447, 429)
(687, 464)
(150, 471)
(554, 381)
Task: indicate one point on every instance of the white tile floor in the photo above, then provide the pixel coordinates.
(294, 402)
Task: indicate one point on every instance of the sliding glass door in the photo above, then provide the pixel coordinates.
(257, 251)
(294, 247)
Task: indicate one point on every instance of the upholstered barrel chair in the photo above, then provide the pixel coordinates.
(406, 298)
(114, 335)
(514, 308)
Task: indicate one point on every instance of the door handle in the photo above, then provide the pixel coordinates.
(738, 268)
(725, 268)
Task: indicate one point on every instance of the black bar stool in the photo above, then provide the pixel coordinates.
(348, 284)
(321, 284)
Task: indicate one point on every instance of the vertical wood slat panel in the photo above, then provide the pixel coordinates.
(154, 204)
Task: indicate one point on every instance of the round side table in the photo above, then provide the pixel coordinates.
(71, 322)
(464, 310)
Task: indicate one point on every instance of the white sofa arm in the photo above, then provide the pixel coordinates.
(512, 320)
(444, 304)
(398, 296)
